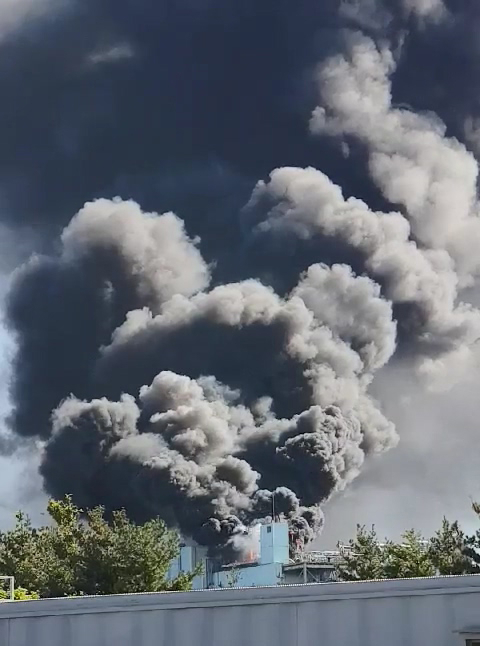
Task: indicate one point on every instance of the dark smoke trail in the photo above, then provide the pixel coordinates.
(295, 215)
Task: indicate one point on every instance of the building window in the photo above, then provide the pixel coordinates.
(472, 642)
(269, 531)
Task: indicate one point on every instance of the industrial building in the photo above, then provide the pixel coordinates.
(418, 612)
(271, 561)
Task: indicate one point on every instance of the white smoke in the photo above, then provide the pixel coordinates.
(432, 177)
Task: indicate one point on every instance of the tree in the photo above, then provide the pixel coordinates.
(448, 550)
(472, 544)
(19, 553)
(408, 559)
(84, 553)
(122, 557)
(233, 577)
(445, 553)
(364, 558)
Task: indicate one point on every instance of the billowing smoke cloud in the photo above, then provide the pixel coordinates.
(295, 217)
(304, 204)
(235, 394)
(181, 463)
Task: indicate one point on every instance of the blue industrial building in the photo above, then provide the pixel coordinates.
(269, 563)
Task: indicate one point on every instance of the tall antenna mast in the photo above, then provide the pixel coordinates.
(273, 523)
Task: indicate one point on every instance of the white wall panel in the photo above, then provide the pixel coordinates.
(423, 612)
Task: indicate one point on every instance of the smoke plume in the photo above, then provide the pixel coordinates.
(298, 215)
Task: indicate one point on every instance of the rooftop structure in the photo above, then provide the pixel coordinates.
(270, 561)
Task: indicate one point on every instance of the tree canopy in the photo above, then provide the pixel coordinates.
(83, 553)
(448, 551)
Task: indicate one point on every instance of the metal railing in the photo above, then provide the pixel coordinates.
(318, 558)
(323, 557)
(11, 586)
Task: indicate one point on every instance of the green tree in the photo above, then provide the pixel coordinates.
(472, 544)
(448, 550)
(363, 558)
(83, 553)
(19, 553)
(233, 577)
(407, 559)
(120, 556)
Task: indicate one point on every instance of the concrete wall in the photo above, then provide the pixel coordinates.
(422, 612)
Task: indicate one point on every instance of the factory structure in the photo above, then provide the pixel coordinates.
(251, 608)
(274, 559)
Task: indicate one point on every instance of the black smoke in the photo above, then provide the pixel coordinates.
(299, 207)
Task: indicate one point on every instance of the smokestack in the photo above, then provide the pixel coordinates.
(295, 216)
